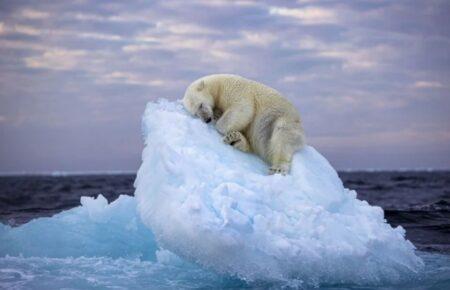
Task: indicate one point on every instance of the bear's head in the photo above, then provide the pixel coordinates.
(198, 101)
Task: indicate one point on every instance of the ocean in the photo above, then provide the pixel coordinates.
(419, 201)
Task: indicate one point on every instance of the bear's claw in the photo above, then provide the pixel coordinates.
(277, 170)
(237, 140)
(232, 138)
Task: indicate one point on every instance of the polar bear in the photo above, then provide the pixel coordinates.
(252, 117)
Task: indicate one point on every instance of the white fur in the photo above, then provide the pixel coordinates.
(253, 117)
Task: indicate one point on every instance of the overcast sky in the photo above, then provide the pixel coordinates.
(371, 79)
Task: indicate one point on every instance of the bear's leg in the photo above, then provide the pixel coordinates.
(235, 118)
(285, 140)
(237, 140)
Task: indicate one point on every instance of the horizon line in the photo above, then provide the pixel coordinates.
(60, 173)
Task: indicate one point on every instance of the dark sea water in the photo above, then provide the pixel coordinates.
(418, 201)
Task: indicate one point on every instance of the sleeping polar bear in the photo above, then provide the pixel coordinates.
(251, 116)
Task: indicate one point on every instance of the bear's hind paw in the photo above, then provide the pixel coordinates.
(277, 170)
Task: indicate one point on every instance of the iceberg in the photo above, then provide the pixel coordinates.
(216, 206)
(205, 215)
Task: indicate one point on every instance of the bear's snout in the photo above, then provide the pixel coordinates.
(205, 113)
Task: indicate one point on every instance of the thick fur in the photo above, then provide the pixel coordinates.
(252, 117)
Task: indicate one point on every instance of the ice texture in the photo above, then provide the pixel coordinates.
(216, 206)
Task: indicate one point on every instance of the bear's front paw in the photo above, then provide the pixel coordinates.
(232, 137)
(237, 140)
(277, 170)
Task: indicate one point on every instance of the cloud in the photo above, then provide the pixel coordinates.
(259, 39)
(28, 30)
(183, 28)
(133, 48)
(19, 29)
(306, 77)
(359, 58)
(308, 15)
(200, 47)
(29, 13)
(131, 79)
(222, 3)
(95, 17)
(396, 138)
(56, 59)
(98, 36)
(353, 57)
(121, 18)
(22, 45)
(427, 85)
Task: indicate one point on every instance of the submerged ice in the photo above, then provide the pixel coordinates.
(216, 206)
(95, 246)
(204, 214)
(95, 229)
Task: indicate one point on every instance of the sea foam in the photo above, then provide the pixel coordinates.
(216, 206)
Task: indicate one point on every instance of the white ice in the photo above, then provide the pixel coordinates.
(216, 206)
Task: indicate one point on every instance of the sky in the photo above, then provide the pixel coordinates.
(371, 79)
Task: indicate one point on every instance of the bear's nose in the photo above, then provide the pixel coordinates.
(208, 120)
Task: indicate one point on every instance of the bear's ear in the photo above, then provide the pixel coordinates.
(201, 86)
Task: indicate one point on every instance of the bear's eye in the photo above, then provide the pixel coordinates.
(201, 106)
